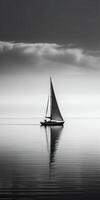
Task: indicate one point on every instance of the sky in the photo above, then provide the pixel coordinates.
(42, 38)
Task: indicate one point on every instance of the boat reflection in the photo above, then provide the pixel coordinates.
(52, 138)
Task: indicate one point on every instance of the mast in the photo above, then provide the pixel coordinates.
(50, 98)
(47, 107)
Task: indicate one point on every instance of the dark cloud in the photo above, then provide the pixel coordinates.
(93, 53)
(41, 56)
(13, 58)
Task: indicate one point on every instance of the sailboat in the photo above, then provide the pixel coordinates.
(53, 115)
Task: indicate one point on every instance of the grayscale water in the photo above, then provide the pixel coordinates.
(49, 163)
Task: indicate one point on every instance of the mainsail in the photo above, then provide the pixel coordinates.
(55, 112)
(54, 109)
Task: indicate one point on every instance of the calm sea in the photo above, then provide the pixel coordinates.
(49, 163)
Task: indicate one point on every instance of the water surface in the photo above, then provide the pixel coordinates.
(49, 163)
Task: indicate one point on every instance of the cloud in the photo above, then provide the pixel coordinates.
(25, 56)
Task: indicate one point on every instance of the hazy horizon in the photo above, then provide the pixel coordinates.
(25, 74)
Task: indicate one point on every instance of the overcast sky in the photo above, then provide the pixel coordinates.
(39, 38)
(61, 21)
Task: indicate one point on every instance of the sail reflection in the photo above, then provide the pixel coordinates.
(52, 138)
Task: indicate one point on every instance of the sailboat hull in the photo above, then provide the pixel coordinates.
(52, 123)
